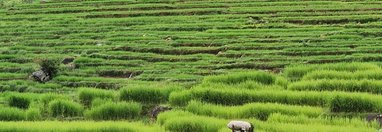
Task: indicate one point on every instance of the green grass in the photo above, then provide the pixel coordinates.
(18, 101)
(218, 60)
(147, 94)
(370, 86)
(119, 126)
(11, 114)
(87, 95)
(63, 108)
(115, 111)
(252, 110)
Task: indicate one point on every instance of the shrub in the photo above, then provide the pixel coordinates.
(49, 66)
(64, 108)
(115, 111)
(234, 78)
(87, 95)
(33, 114)
(19, 101)
(11, 114)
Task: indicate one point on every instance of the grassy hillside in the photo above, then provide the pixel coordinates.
(282, 65)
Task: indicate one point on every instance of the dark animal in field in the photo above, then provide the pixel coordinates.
(240, 126)
(158, 109)
(374, 116)
(67, 60)
(41, 76)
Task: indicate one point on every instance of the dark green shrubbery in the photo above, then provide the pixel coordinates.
(64, 108)
(19, 101)
(115, 111)
(49, 66)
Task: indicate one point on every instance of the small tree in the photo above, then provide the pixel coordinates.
(49, 66)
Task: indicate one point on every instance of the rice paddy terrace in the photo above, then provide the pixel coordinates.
(281, 65)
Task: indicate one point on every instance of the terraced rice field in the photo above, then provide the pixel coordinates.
(285, 66)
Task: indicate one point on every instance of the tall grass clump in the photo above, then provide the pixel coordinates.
(33, 114)
(19, 101)
(252, 110)
(11, 114)
(152, 95)
(98, 101)
(346, 103)
(46, 98)
(312, 98)
(296, 72)
(235, 78)
(330, 74)
(180, 98)
(240, 97)
(371, 86)
(115, 111)
(64, 108)
(187, 122)
(78, 126)
(87, 95)
(303, 119)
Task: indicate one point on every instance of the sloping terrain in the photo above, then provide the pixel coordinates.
(128, 56)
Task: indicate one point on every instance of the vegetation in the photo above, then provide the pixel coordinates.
(11, 114)
(64, 108)
(109, 65)
(115, 111)
(19, 101)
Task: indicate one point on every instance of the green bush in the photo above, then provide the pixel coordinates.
(115, 111)
(87, 95)
(64, 108)
(49, 66)
(11, 114)
(235, 78)
(33, 114)
(19, 101)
